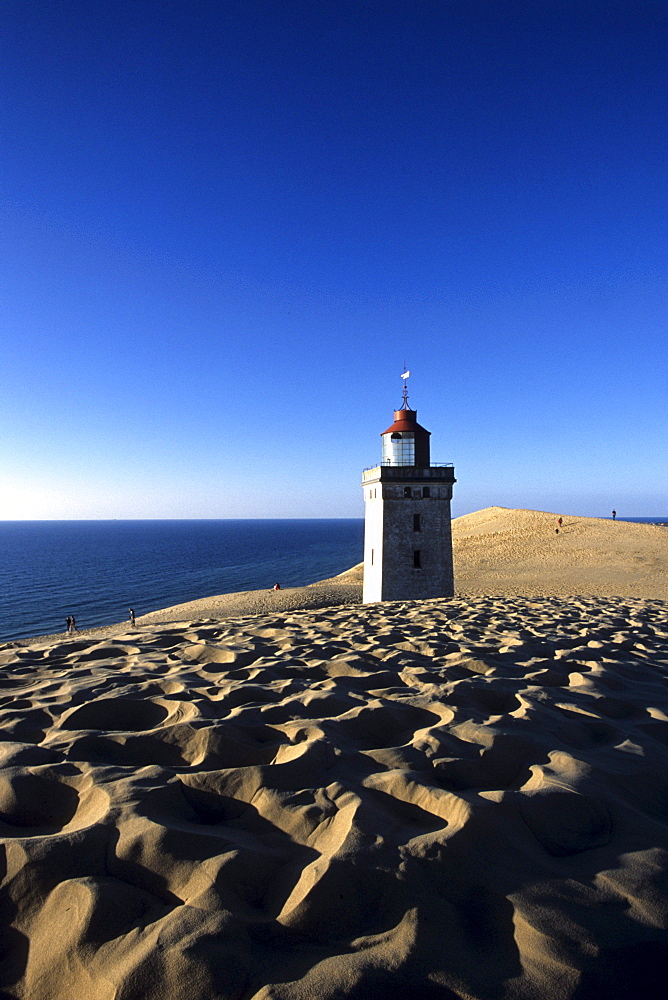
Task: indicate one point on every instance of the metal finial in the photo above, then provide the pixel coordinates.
(405, 374)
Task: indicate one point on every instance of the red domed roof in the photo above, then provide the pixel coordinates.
(405, 420)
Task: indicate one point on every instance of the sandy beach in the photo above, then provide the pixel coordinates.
(291, 796)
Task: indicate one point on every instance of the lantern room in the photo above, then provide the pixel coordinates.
(405, 442)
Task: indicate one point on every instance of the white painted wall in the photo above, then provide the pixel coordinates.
(390, 541)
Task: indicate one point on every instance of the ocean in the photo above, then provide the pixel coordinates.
(96, 570)
(646, 520)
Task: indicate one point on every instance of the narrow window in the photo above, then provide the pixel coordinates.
(408, 491)
(416, 559)
(416, 523)
(426, 492)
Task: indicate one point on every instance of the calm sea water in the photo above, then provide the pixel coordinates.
(96, 570)
(646, 520)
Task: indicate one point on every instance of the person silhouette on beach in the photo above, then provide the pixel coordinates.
(560, 521)
(276, 586)
(68, 622)
(614, 514)
(132, 615)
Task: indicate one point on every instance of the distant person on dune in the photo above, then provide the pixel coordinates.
(132, 615)
(614, 514)
(276, 586)
(560, 521)
(68, 622)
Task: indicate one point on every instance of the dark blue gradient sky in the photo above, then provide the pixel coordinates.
(226, 225)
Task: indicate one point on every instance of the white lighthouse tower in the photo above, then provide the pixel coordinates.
(407, 527)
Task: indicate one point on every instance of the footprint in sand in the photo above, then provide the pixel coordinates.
(116, 714)
(40, 801)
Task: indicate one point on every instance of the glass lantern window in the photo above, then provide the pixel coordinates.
(399, 449)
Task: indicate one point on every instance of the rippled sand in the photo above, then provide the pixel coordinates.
(452, 798)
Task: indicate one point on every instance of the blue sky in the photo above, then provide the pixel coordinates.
(226, 225)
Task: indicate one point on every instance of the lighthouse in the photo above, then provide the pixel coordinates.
(407, 525)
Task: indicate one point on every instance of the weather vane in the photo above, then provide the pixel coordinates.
(405, 374)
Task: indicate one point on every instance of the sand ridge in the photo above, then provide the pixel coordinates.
(450, 798)
(502, 550)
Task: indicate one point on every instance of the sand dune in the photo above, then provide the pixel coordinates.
(497, 551)
(344, 590)
(503, 551)
(458, 798)
(462, 798)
